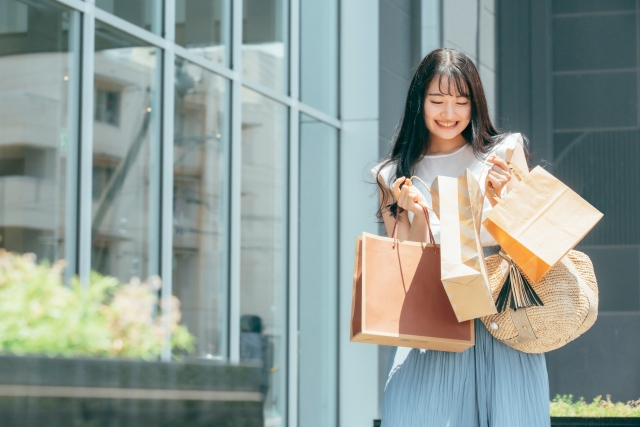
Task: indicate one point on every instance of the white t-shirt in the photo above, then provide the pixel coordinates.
(452, 165)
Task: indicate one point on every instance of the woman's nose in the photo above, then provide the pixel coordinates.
(448, 111)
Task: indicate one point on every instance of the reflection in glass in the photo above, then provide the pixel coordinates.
(126, 155)
(265, 42)
(318, 271)
(202, 26)
(200, 205)
(264, 246)
(143, 13)
(319, 54)
(38, 118)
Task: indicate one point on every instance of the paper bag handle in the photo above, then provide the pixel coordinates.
(425, 210)
(490, 192)
(396, 246)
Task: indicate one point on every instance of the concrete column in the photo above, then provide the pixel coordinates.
(358, 363)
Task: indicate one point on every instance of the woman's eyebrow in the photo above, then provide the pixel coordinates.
(444, 94)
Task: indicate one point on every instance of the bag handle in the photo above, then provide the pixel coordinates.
(425, 210)
(394, 234)
(490, 192)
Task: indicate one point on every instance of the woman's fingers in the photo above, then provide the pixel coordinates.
(494, 182)
(399, 185)
(395, 188)
(414, 199)
(499, 163)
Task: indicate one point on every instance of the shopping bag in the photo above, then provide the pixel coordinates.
(398, 298)
(458, 202)
(539, 221)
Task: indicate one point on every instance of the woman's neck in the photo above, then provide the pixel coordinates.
(439, 146)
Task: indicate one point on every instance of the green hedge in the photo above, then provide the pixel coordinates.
(564, 406)
(39, 314)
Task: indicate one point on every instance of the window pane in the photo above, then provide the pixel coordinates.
(265, 42)
(264, 246)
(203, 27)
(38, 122)
(318, 269)
(144, 13)
(126, 155)
(200, 205)
(319, 54)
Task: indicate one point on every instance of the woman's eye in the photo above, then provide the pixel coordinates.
(435, 102)
(462, 103)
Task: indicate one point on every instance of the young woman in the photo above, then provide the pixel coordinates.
(444, 130)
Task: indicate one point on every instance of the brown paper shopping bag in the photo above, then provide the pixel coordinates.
(398, 298)
(540, 221)
(458, 203)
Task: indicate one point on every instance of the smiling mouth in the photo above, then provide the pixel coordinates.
(446, 124)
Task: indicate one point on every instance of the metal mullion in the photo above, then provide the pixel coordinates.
(73, 149)
(129, 28)
(74, 4)
(86, 144)
(293, 196)
(320, 116)
(204, 62)
(166, 208)
(267, 91)
(169, 30)
(235, 186)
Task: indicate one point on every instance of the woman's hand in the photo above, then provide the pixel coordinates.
(499, 175)
(408, 196)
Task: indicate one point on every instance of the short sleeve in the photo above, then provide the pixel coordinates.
(386, 171)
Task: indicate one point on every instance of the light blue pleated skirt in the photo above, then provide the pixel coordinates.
(488, 385)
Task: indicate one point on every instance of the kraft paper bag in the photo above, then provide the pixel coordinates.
(458, 202)
(398, 298)
(539, 221)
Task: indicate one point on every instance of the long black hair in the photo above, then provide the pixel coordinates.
(411, 138)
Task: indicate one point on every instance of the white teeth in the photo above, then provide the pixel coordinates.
(446, 124)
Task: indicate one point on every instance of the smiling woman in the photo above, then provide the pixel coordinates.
(444, 131)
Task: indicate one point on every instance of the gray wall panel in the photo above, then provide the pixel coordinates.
(605, 42)
(602, 361)
(604, 100)
(514, 66)
(393, 93)
(577, 6)
(600, 164)
(404, 5)
(395, 44)
(618, 272)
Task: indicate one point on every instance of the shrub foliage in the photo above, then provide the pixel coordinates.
(39, 314)
(564, 406)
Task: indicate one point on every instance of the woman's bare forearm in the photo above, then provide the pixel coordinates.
(418, 230)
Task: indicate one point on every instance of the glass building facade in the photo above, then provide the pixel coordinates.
(195, 140)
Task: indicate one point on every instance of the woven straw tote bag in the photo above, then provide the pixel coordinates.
(568, 294)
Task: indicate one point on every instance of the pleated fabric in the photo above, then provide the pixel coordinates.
(488, 385)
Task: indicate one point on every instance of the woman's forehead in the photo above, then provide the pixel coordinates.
(444, 85)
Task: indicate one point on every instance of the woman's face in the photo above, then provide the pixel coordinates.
(446, 116)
